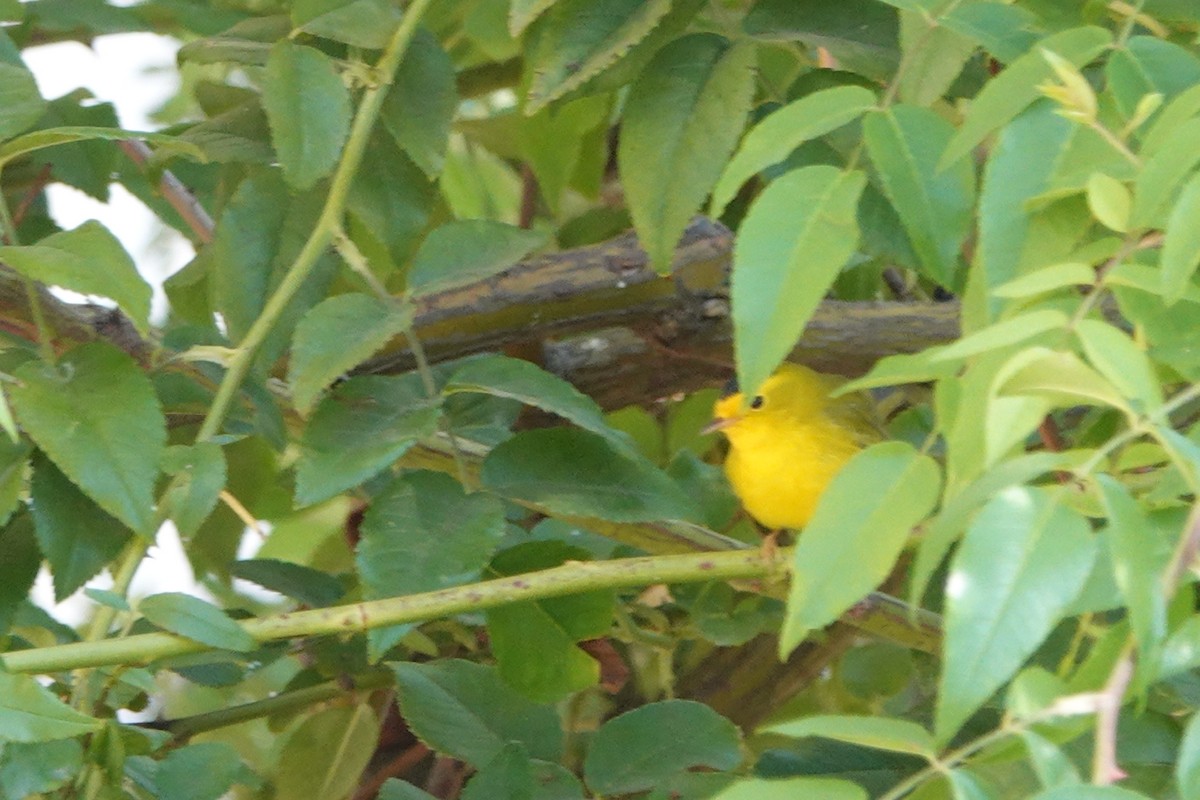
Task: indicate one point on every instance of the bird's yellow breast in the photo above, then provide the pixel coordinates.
(787, 443)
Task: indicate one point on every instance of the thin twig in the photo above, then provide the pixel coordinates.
(174, 192)
(1105, 770)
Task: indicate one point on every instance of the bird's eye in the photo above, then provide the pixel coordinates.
(757, 402)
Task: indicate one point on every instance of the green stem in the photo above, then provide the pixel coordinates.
(568, 579)
(186, 727)
(101, 621)
(327, 224)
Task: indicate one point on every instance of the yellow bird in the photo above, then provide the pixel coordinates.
(788, 441)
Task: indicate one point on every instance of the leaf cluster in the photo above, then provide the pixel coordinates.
(437, 574)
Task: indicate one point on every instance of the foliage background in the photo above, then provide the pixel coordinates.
(460, 602)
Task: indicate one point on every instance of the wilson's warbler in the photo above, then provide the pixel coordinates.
(788, 441)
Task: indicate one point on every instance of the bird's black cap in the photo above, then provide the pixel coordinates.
(730, 388)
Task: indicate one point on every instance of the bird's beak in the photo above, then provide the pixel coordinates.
(720, 423)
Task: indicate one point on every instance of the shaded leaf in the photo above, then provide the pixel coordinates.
(535, 642)
(681, 121)
(935, 205)
(326, 755)
(577, 39)
(827, 576)
(195, 619)
(308, 108)
(466, 251)
(883, 733)
(336, 335)
(199, 472)
(362, 23)
(1010, 92)
(630, 753)
(503, 376)
(577, 472)
(361, 427)
(509, 775)
(30, 713)
(77, 537)
(1022, 562)
(312, 587)
(21, 105)
(420, 105)
(796, 238)
(772, 140)
(89, 260)
(420, 534)
(96, 415)
(465, 710)
(1181, 248)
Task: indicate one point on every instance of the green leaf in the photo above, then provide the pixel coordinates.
(1119, 359)
(578, 39)
(396, 789)
(1181, 248)
(1008, 332)
(245, 244)
(30, 713)
(362, 23)
(1024, 559)
(860, 34)
(827, 576)
(1089, 793)
(50, 137)
(467, 711)
(1021, 163)
(326, 755)
(21, 105)
(681, 122)
(308, 108)
(1052, 766)
(934, 56)
(509, 775)
(76, 536)
(336, 335)
(555, 141)
(535, 643)
(1187, 768)
(420, 105)
(772, 140)
(1165, 170)
(14, 458)
(790, 789)
(361, 427)
(1138, 563)
(502, 376)
(578, 473)
(195, 619)
(421, 534)
(630, 752)
(97, 417)
(88, 260)
(202, 771)
(1010, 92)
(1109, 201)
(37, 768)
(466, 251)
(1148, 65)
(1005, 31)
(968, 787)
(1047, 279)
(797, 236)
(20, 560)
(199, 472)
(882, 733)
(523, 12)
(935, 205)
(311, 587)
(1059, 376)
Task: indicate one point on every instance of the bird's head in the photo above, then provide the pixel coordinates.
(788, 397)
